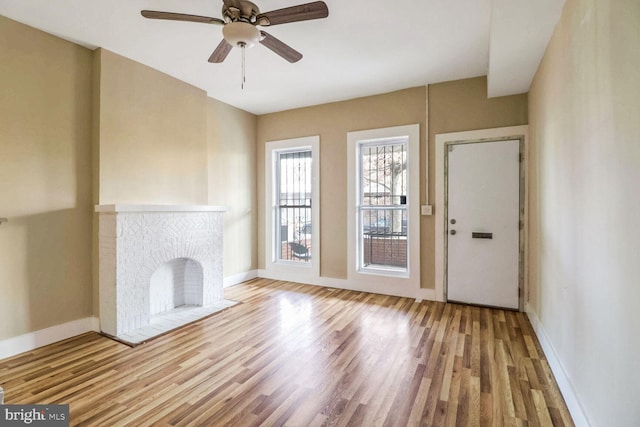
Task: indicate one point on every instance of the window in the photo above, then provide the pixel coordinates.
(292, 214)
(293, 219)
(382, 208)
(383, 221)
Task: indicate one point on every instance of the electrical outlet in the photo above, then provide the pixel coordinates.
(426, 210)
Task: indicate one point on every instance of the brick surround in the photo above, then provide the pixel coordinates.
(171, 246)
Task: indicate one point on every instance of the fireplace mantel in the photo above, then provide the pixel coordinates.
(158, 208)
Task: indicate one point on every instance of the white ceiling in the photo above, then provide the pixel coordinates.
(364, 47)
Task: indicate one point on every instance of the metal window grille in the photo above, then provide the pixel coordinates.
(293, 206)
(383, 204)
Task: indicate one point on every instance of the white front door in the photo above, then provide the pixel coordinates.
(483, 204)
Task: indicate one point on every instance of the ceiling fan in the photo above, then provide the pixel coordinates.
(240, 21)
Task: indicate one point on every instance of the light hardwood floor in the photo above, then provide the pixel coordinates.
(300, 355)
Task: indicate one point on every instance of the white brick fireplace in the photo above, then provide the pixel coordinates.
(160, 266)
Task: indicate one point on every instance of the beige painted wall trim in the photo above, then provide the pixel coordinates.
(473, 135)
(27, 342)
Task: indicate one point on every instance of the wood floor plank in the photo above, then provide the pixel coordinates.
(298, 355)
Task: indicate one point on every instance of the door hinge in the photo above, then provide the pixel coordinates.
(520, 225)
(520, 157)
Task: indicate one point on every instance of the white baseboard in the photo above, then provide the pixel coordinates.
(32, 340)
(564, 383)
(329, 282)
(239, 278)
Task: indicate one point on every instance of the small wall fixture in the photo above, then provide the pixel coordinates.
(3, 220)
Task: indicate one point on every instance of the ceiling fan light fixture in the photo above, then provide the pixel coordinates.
(241, 33)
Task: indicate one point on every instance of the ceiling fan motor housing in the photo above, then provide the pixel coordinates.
(241, 33)
(240, 10)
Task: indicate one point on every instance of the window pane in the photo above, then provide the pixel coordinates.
(294, 206)
(384, 238)
(384, 174)
(383, 208)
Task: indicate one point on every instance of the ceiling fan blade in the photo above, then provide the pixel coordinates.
(221, 52)
(171, 16)
(301, 12)
(282, 49)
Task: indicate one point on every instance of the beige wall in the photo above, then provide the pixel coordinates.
(457, 106)
(152, 135)
(79, 128)
(231, 141)
(45, 180)
(332, 122)
(453, 106)
(584, 270)
(163, 141)
(463, 105)
(159, 140)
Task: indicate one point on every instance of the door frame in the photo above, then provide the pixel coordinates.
(520, 209)
(484, 135)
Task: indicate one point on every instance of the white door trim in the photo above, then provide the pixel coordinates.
(474, 135)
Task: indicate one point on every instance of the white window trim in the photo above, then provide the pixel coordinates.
(294, 271)
(385, 281)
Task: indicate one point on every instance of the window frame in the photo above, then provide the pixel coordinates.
(291, 270)
(361, 208)
(278, 207)
(384, 279)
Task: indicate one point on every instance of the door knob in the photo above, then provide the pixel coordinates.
(452, 232)
(453, 221)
